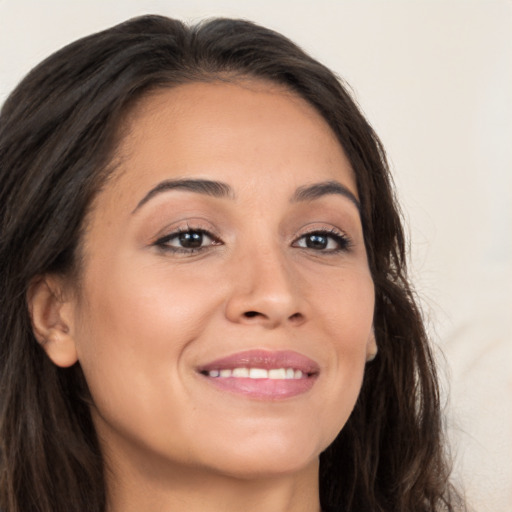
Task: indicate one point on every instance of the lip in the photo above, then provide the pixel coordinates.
(263, 388)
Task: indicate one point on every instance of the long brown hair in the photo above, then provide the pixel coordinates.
(58, 134)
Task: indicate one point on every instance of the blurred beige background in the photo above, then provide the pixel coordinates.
(435, 79)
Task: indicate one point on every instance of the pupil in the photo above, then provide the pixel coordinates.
(316, 242)
(191, 239)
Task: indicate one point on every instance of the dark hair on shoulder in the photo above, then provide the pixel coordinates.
(58, 136)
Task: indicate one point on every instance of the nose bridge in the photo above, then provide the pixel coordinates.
(264, 286)
(272, 277)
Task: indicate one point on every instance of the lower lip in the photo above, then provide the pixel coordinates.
(263, 389)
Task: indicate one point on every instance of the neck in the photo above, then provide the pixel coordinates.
(197, 490)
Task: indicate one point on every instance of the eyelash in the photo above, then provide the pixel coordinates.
(163, 242)
(342, 241)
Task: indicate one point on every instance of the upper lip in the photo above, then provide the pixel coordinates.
(267, 359)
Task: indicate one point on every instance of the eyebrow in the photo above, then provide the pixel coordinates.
(317, 190)
(200, 186)
(221, 190)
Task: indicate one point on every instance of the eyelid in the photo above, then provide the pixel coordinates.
(173, 231)
(340, 236)
(177, 233)
(161, 241)
(184, 225)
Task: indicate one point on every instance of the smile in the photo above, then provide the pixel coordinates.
(262, 375)
(258, 373)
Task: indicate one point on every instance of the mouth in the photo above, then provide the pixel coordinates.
(257, 373)
(264, 375)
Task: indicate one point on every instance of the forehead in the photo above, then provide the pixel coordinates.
(246, 132)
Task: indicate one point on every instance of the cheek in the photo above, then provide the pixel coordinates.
(347, 320)
(149, 305)
(347, 309)
(135, 335)
(137, 324)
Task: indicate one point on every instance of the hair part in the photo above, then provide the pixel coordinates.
(59, 131)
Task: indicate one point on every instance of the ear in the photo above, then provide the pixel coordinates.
(52, 319)
(371, 347)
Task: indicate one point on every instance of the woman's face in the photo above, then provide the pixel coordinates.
(225, 310)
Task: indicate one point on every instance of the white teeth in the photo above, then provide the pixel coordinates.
(277, 373)
(258, 373)
(240, 372)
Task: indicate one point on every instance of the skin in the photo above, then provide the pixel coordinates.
(145, 317)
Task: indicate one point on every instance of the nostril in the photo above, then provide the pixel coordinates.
(296, 317)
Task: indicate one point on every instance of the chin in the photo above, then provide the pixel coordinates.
(268, 456)
(250, 468)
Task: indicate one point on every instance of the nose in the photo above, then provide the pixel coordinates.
(265, 291)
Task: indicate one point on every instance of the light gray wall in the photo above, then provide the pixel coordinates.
(435, 79)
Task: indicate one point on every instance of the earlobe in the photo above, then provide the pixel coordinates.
(371, 347)
(52, 322)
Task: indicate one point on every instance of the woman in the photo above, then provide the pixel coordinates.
(205, 303)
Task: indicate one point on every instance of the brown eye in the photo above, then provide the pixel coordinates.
(314, 241)
(325, 241)
(190, 240)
